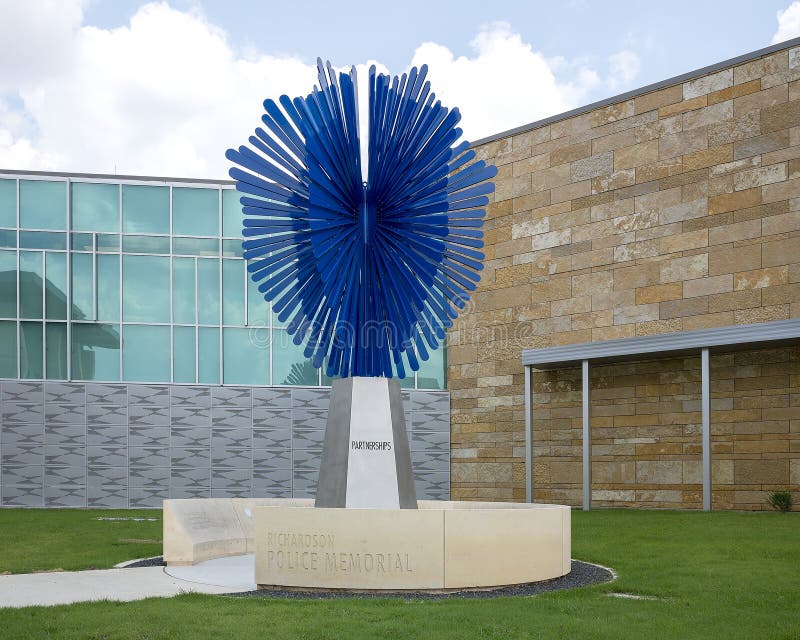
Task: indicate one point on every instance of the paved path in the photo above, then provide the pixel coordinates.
(235, 573)
(66, 587)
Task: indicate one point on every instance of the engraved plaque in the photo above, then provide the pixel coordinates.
(349, 549)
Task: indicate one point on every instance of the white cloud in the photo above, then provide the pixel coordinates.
(505, 84)
(164, 95)
(37, 39)
(167, 93)
(788, 23)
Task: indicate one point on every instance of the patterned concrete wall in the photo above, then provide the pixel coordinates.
(673, 210)
(132, 445)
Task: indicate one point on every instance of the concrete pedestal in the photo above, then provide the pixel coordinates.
(366, 461)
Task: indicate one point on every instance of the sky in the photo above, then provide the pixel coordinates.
(163, 88)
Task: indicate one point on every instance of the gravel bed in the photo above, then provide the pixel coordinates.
(158, 561)
(582, 574)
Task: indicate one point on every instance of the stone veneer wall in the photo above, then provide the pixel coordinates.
(674, 210)
(646, 432)
(132, 445)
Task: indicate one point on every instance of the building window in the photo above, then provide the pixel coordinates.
(145, 353)
(208, 355)
(195, 246)
(233, 292)
(195, 212)
(183, 354)
(95, 351)
(8, 284)
(145, 244)
(289, 365)
(43, 240)
(31, 279)
(246, 356)
(183, 290)
(258, 309)
(8, 203)
(55, 285)
(166, 300)
(43, 205)
(145, 209)
(207, 291)
(8, 349)
(95, 207)
(232, 217)
(82, 287)
(31, 355)
(145, 288)
(56, 350)
(431, 374)
(108, 288)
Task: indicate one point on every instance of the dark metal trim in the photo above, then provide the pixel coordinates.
(718, 338)
(684, 77)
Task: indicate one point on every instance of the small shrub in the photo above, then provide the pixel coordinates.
(780, 500)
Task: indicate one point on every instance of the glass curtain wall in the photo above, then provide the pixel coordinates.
(140, 282)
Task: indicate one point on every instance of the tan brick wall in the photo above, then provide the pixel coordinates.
(755, 427)
(646, 431)
(675, 210)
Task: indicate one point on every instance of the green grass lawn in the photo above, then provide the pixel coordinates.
(72, 539)
(717, 575)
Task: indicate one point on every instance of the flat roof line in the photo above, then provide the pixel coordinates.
(689, 75)
(110, 176)
(664, 343)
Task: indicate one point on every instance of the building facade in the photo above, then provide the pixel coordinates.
(634, 340)
(669, 210)
(138, 361)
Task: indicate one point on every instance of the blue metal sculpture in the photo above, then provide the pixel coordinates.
(369, 274)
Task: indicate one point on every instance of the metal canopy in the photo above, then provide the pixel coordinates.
(717, 338)
(699, 342)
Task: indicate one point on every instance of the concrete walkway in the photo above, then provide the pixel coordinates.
(67, 587)
(235, 573)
